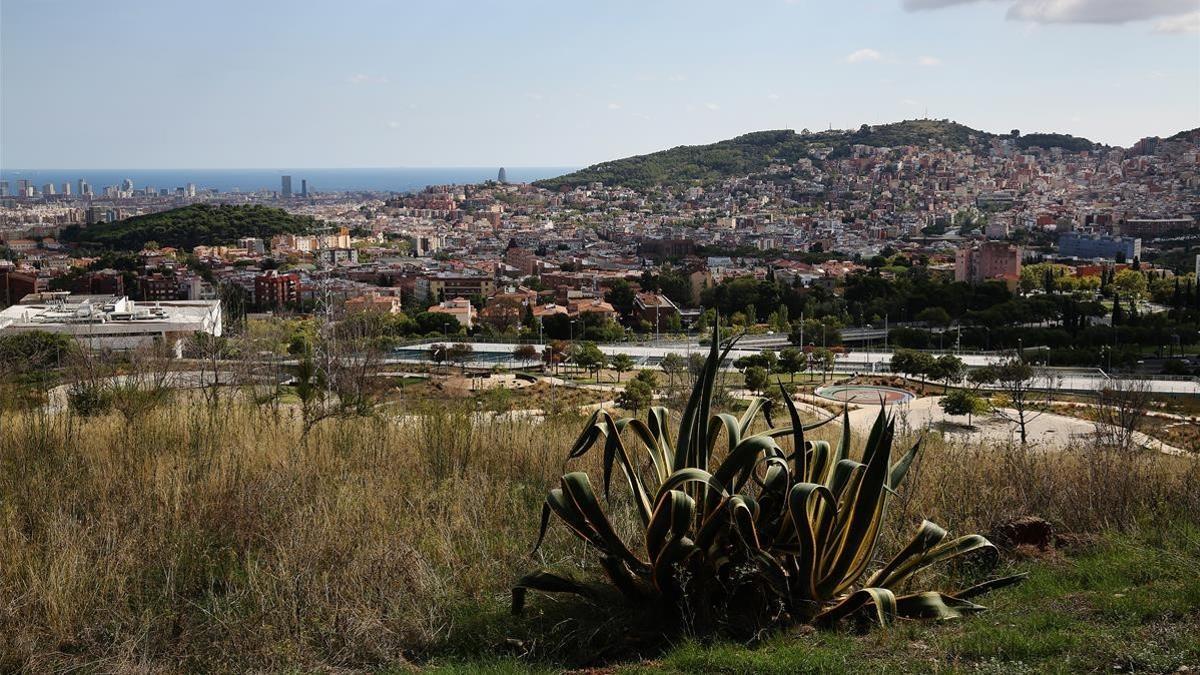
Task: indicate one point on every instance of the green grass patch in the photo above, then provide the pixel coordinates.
(1126, 602)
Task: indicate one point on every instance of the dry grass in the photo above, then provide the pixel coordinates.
(200, 539)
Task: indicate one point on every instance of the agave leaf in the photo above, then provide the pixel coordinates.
(799, 452)
(883, 600)
(934, 605)
(632, 587)
(856, 542)
(676, 552)
(744, 511)
(988, 586)
(547, 583)
(927, 537)
(673, 518)
(733, 431)
(743, 458)
(659, 457)
(900, 468)
(657, 418)
(941, 553)
(687, 424)
(844, 474)
(692, 475)
(818, 462)
(614, 449)
(842, 451)
(578, 489)
(588, 437)
(565, 509)
(800, 507)
(755, 406)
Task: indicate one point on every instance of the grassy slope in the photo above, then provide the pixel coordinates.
(1127, 602)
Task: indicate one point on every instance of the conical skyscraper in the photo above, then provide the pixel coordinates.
(502, 177)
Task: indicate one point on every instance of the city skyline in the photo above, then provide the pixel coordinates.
(537, 84)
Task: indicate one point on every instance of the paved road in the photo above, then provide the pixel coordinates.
(1049, 430)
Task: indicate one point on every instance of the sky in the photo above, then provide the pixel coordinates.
(386, 83)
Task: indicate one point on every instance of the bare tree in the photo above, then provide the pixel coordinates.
(210, 353)
(1121, 410)
(1025, 390)
(336, 376)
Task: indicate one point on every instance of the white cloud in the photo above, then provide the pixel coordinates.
(908, 101)
(1178, 25)
(773, 96)
(712, 106)
(361, 78)
(929, 61)
(1076, 11)
(863, 56)
(393, 124)
(614, 106)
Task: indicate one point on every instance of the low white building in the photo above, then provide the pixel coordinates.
(113, 322)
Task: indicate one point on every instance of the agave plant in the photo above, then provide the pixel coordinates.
(761, 538)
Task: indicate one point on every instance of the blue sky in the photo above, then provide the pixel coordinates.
(172, 84)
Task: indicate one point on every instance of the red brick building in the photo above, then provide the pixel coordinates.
(273, 290)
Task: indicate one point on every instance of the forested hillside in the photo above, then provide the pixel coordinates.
(198, 224)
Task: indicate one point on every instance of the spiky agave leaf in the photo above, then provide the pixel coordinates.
(806, 538)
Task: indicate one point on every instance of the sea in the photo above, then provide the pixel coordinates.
(398, 179)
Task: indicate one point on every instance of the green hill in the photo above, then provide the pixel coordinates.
(1064, 141)
(700, 164)
(195, 225)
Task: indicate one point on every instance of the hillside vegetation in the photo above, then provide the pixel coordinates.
(750, 153)
(195, 225)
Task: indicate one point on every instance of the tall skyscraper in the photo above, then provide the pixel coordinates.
(67, 188)
(84, 188)
(191, 189)
(3, 188)
(502, 177)
(286, 192)
(304, 187)
(48, 190)
(127, 185)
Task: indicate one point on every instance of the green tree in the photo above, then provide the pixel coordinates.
(757, 379)
(672, 364)
(621, 296)
(460, 353)
(934, 316)
(622, 363)
(525, 353)
(946, 369)
(963, 402)
(1131, 284)
(638, 393)
(792, 360)
(588, 356)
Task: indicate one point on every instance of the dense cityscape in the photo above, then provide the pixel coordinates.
(527, 261)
